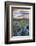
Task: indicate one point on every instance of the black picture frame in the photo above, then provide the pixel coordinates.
(7, 3)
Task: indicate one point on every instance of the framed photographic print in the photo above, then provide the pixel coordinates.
(19, 22)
